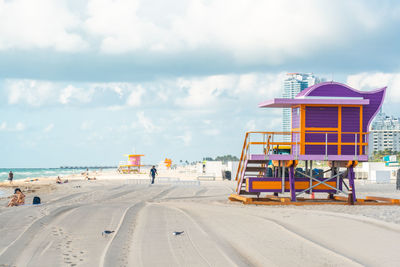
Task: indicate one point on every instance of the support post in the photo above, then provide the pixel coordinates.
(334, 171)
(283, 178)
(306, 170)
(326, 146)
(311, 174)
(351, 182)
(279, 169)
(291, 182)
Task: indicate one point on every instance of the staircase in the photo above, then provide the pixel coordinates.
(250, 163)
(251, 168)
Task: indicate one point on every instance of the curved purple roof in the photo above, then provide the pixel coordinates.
(335, 89)
(336, 93)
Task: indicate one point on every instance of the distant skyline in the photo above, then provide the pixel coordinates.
(84, 82)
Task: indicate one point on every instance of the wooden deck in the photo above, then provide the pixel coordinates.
(337, 200)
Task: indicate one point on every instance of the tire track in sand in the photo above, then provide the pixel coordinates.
(197, 246)
(12, 252)
(284, 227)
(117, 249)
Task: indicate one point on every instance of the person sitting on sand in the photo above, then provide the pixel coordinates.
(17, 199)
(58, 181)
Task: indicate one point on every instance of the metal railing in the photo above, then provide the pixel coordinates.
(267, 141)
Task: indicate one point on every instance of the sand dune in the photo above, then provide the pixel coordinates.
(66, 230)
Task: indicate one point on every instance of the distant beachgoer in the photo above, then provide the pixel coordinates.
(11, 177)
(17, 199)
(58, 181)
(153, 173)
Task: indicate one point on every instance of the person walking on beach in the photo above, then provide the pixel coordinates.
(11, 177)
(153, 173)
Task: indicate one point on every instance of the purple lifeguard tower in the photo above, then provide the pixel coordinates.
(330, 123)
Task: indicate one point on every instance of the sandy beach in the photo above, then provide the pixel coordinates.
(66, 229)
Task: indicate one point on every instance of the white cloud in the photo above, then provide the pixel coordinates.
(31, 92)
(190, 93)
(19, 126)
(3, 126)
(117, 24)
(71, 93)
(246, 29)
(250, 31)
(48, 128)
(135, 97)
(38, 93)
(369, 81)
(208, 91)
(118, 90)
(42, 24)
(145, 123)
(204, 91)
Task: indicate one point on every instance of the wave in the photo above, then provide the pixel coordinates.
(23, 173)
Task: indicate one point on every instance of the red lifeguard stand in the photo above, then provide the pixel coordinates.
(132, 165)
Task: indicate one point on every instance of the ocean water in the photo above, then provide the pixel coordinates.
(23, 173)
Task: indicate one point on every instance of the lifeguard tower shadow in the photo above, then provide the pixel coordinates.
(330, 123)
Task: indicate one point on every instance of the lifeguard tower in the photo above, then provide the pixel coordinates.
(132, 165)
(330, 124)
(168, 163)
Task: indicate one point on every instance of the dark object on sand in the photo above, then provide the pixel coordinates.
(226, 175)
(178, 233)
(107, 232)
(398, 180)
(36, 200)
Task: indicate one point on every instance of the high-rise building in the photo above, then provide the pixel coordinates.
(294, 84)
(384, 133)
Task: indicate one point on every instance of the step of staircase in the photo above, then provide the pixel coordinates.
(255, 169)
(255, 161)
(242, 192)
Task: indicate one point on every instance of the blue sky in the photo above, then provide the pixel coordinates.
(84, 82)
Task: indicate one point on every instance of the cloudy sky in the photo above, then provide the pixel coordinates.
(84, 82)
